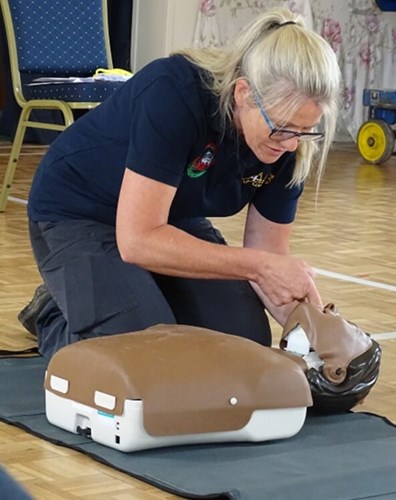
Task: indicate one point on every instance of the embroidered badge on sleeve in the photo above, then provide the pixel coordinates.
(201, 163)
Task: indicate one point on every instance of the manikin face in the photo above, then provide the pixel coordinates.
(252, 126)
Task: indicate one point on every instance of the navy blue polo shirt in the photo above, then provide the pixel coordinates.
(162, 123)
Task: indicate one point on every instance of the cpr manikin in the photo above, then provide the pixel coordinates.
(342, 361)
(178, 384)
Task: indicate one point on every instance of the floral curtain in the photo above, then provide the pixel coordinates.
(362, 36)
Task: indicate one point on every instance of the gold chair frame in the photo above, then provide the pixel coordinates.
(28, 106)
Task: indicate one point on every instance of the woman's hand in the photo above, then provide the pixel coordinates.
(284, 279)
(281, 279)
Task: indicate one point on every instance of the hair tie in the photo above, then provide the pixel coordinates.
(278, 25)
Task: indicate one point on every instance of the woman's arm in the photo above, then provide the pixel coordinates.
(145, 238)
(260, 233)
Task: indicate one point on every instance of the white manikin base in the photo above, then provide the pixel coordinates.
(126, 432)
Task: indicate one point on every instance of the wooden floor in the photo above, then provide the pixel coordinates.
(349, 237)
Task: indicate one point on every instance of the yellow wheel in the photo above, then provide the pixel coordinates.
(376, 141)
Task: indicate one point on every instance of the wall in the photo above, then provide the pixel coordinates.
(159, 27)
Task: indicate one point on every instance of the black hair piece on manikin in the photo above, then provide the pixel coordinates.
(362, 374)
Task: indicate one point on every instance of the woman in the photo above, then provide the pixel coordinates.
(118, 205)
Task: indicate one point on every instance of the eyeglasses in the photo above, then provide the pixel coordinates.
(282, 134)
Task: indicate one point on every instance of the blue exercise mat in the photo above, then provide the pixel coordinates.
(339, 457)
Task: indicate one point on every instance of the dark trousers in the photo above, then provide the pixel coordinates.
(95, 293)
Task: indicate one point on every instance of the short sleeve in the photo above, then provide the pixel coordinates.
(163, 131)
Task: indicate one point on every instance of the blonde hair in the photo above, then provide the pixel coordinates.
(287, 65)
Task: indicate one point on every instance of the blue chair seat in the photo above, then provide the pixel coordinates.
(77, 92)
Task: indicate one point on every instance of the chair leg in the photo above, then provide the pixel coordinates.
(14, 157)
(23, 124)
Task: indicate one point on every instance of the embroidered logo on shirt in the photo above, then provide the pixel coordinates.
(258, 180)
(200, 165)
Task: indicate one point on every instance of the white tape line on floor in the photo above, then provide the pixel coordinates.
(353, 279)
